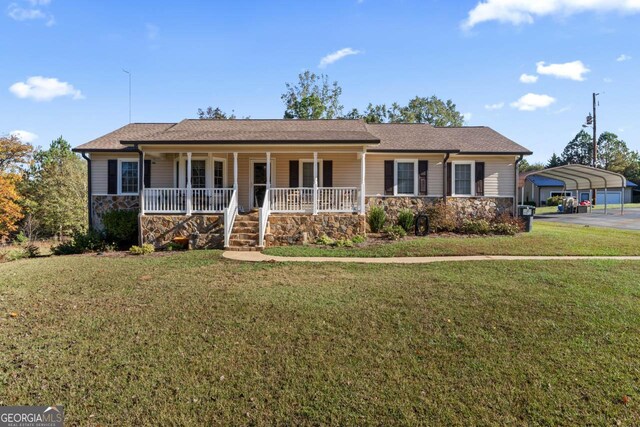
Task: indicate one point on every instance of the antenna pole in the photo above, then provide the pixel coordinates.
(129, 73)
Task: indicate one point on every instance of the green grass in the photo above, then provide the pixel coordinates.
(545, 239)
(192, 339)
(613, 208)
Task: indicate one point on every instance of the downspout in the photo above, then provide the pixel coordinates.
(444, 177)
(88, 159)
(515, 193)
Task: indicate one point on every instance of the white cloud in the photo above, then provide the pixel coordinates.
(467, 116)
(528, 78)
(41, 88)
(532, 102)
(336, 56)
(569, 70)
(31, 12)
(623, 58)
(492, 107)
(24, 135)
(153, 31)
(519, 12)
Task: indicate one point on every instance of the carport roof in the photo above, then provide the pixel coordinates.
(581, 177)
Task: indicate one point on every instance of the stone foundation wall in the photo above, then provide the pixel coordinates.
(465, 207)
(295, 229)
(102, 204)
(203, 231)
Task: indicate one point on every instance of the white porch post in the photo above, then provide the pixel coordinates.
(268, 170)
(235, 171)
(141, 173)
(189, 195)
(315, 183)
(362, 180)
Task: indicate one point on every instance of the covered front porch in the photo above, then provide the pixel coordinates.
(282, 182)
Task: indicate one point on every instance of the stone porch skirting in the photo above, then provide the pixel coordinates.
(295, 229)
(203, 231)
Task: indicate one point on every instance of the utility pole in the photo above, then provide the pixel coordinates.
(129, 73)
(595, 137)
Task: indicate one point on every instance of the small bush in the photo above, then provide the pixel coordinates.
(20, 238)
(14, 255)
(325, 240)
(344, 243)
(358, 239)
(405, 219)
(506, 224)
(376, 219)
(121, 227)
(142, 250)
(395, 232)
(90, 241)
(554, 201)
(442, 218)
(476, 226)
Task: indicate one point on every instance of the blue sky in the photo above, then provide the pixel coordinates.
(63, 59)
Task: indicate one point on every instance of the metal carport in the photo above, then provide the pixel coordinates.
(581, 177)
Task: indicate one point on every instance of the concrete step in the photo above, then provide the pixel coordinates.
(243, 223)
(243, 248)
(242, 229)
(243, 243)
(248, 217)
(244, 236)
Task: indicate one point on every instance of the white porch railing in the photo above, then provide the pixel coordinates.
(263, 217)
(328, 199)
(166, 200)
(176, 200)
(338, 199)
(291, 199)
(230, 213)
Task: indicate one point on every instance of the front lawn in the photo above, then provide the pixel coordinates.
(193, 339)
(545, 239)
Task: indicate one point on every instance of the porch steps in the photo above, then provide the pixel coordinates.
(244, 236)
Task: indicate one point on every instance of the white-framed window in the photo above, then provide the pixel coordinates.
(206, 172)
(561, 193)
(306, 173)
(463, 177)
(128, 176)
(405, 177)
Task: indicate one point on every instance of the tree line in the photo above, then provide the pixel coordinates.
(43, 192)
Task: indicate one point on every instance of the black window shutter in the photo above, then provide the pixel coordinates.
(388, 177)
(294, 167)
(147, 173)
(112, 174)
(327, 173)
(423, 169)
(449, 167)
(479, 178)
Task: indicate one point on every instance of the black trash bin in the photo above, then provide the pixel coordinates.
(527, 212)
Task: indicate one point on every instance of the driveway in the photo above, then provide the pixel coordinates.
(629, 221)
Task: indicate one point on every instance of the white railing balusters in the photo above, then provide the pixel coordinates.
(230, 213)
(175, 200)
(263, 217)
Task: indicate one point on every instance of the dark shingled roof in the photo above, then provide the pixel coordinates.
(423, 137)
(379, 137)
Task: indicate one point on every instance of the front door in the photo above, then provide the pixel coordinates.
(258, 183)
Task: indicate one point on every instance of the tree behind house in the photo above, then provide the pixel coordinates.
(313, 97)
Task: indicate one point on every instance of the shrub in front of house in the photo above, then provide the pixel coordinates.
(81, 242)
(405, 219)
(121, 227)
(376, 219)
(506, 224)
(142, 250)
(394, 232)
(475, 226)
(442, 218)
